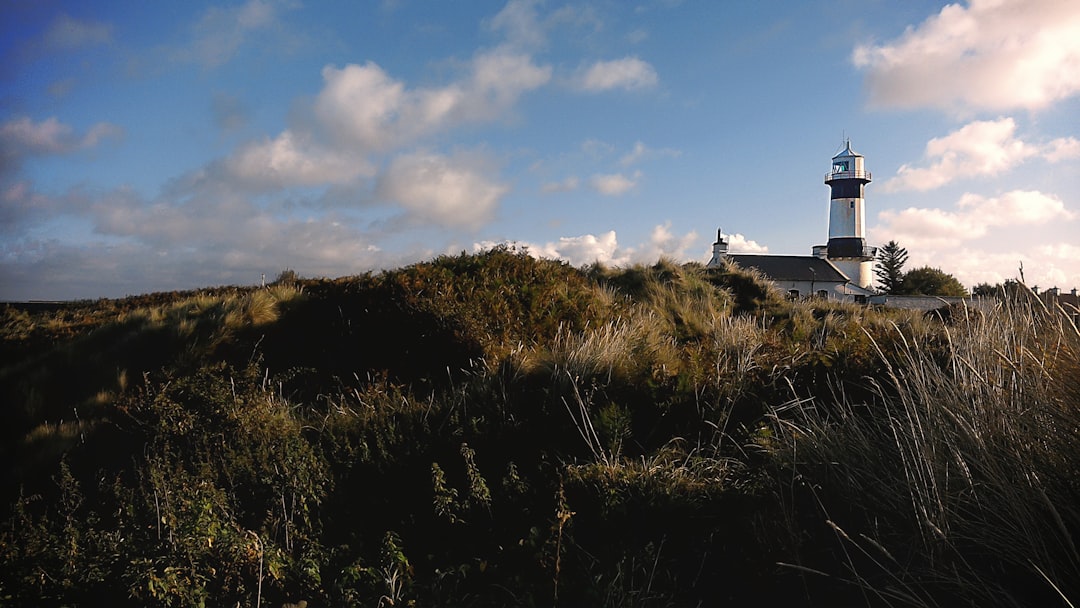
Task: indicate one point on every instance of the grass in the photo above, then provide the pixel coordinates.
(493, 429)
(953, 475)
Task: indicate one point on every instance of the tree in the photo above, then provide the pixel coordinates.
(1009, 289)
(890, 267)
(928, 281)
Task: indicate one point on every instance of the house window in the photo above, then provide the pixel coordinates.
(852, 204)
(823, 294)
(793, 294)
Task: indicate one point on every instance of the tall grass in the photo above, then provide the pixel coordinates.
(494, 429)
(958, 478)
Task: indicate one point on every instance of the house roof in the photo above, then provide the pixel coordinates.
(792, 267)
(1052, 299)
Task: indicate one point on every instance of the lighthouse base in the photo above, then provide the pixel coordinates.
(859, 270)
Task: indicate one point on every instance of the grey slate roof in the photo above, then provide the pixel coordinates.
(791, 267)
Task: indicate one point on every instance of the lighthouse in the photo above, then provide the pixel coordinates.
(847, 248)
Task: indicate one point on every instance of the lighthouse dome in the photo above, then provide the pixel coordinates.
(847, 151)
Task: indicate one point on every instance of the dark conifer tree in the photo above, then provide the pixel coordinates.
(890, 267)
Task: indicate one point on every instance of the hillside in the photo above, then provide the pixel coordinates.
(496, 430)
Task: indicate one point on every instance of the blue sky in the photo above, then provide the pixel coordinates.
(159, 146)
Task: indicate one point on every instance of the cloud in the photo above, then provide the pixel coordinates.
(362, 115)
(56, 269)
(628, 73)
(51, 136)
(21, 206)
(978, 148)
(61, 88)
(584, 249)
(614, 184)
(22, 137)
(664, 243)
(451, 191)
(229, 112)
(292, 159)
(990, 55)
(523, 26)
(363, 105)
(197, 238)
(520, 23)
(605, 249)
(737, 243)
(596, 148)
(642, 152)
(66, 33)
(974, 217)
(567, 185)
(220, 32)
(1062, 148)
(1044, 266)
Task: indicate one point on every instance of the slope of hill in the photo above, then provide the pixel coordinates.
(493, 429)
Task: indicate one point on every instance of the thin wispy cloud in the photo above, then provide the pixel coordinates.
(640, 152)
(221, 31)
(568, 184)
(22, 137)
(67, 33)
(628, 73)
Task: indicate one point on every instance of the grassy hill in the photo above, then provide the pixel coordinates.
(496, 430)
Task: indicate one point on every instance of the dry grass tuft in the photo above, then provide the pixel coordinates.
(964, 457)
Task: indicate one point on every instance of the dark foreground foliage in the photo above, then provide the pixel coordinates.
(496, 430)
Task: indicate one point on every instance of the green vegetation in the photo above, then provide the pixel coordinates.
(889, 269)
(927, 281)
(496, 430)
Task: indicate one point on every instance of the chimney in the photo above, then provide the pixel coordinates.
(1074, 292)
(719, 249)
(1054, 291)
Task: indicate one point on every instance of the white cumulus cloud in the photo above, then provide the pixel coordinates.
(584, 249)
(450, 191)
(614, 184)
(988, 55)
(984, 147)
(604, 248)
(363, 105)
(973, 217)
(291, 160)
(738, 243)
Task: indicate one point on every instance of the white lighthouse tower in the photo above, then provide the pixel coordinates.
(847, 248)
